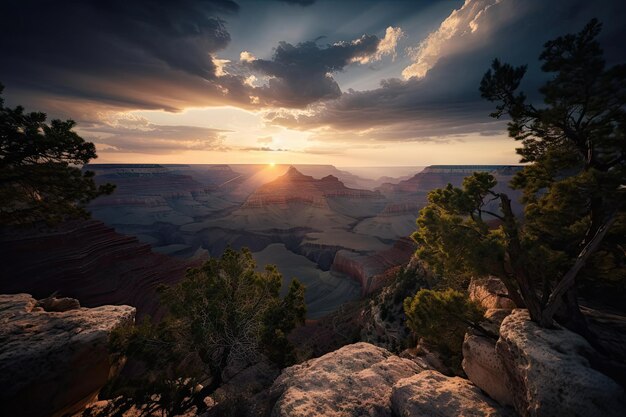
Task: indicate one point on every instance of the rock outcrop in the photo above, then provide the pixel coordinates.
(551, 374)
(295, 187)
(490, 292)
(88, 261)
(433, 394)
(355, 380)
(54, 363)
(368, 269)
(485, 369)
(438, 176)
(365, 380)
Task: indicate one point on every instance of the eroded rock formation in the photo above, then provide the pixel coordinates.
(295, 187)
(551, 374)
(88, 261)
(54, 363)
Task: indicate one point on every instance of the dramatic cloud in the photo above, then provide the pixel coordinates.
(386, 46)
(134, 53)
(160, 55)
(89, 58)
(127, 133)
(302, 74)
(439, 99)
(457, 32)
(397, 111)
(299, 2)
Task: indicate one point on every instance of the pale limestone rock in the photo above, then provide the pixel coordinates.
(485, 369)
(550, 372)
(497, 315)
(54, 363)
(432, 394)
(489, 292)
(355, 380)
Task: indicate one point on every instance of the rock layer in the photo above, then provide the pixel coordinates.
(295, 187)
(54, 363)
(550, 372)
(88, 261)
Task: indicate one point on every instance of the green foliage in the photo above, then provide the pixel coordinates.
(164, 371)
(40, 175)
(453, 236)
(223, 313)
(574, 217)
(441, 319)
(280, 318)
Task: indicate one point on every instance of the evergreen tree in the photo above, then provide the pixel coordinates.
(441, 319)
(40, 169)
(574, 220)
(222, 313)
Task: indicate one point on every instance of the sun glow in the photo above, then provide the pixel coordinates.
(272, 164)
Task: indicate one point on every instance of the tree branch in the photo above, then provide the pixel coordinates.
(569, 279)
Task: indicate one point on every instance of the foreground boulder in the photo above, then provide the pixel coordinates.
(485, 368)
(433, 394)
(54, 363)
(355, 380)
(550, 372)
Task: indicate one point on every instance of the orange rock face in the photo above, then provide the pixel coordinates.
(88, 261)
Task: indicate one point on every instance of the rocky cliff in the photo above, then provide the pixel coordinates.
(551, 372)
(368, 268)
(295, 187)
(54, 363)
(438, 176)
(88, 261)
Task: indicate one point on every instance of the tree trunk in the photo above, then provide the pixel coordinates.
(555, 301)
(514, 249)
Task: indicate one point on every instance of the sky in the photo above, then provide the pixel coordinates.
(348, 83)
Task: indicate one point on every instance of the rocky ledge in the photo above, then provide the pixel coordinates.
(551, 373)
(365, 380)
(53, 363)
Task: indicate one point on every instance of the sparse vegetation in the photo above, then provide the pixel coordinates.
(441, 319)
(223, 314)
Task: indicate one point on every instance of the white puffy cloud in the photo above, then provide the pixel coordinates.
(463, 29)
(386, 46)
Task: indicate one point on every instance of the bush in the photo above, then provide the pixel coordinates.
(441, 319)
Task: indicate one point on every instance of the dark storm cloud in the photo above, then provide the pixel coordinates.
(301, 74)
(299, 2)
(69, 56)
(100, 49)
(446, 101)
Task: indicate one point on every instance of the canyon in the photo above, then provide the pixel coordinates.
(336, 231)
